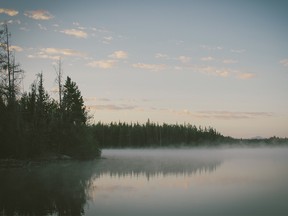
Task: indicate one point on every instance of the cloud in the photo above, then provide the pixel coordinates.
(284, 62)
(245, 75)
(12, 47)
(112, 107)
(222, 115)
(75, 32)
(65, 52)
(43, 56)
(184, 59)
(105, 64)
(178, 68)
(229, 61)
(95, 99)
(16, 48)
(107, 39)
(39, 15)
(211, 48)
(221, 72)
(152, 67)
(227, 115)
(161, 56)
(56, 53)
(237, 50)
(208, 58)
(42, 27)
(119, 54)
(11, 22)
(10, 12)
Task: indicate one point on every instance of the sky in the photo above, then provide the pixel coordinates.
(215, 63)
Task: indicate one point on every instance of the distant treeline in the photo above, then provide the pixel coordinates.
(150, 134)
(123, 135)
(272, 141)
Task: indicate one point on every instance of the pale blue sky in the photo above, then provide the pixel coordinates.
(211, 63)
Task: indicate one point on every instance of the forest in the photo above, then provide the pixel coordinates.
(33, 124)
(135, 135)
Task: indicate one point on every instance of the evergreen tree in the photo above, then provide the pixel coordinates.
(73, 107)
(77, 139)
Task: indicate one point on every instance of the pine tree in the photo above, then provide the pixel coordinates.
(74, 111)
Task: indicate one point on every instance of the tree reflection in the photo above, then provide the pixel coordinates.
(151, 167)
(63, 188)
(60, 188)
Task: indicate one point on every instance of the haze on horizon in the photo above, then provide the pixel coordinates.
(211, 63)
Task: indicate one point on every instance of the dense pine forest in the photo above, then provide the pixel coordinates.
(123, 135)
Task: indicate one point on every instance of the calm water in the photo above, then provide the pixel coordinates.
(242, 181)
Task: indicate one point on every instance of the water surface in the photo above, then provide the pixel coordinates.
(223, 181)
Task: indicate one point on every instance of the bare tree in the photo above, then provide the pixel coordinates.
(10, 72)
(59, 73)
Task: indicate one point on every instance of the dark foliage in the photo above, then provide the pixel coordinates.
(36, 125)
(123, 135)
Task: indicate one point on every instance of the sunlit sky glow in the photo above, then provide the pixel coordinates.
(212, 63)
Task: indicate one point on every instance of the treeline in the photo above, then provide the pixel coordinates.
(123, 135)
(33, 124)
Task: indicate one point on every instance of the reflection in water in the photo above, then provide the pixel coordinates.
(59, 188)
(63, 188)
(156, 162)
(152, 182)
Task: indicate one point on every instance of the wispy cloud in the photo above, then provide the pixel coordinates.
(95, 99)
(42, 27)
(227, 115)
(10, 12)
(56, 53)
(223, 72)
(237, 50)
(284, 62)
(120, 54)
(111, 107)
(107, 39)
(208, 58)
(43, 56)
(75, 32)
(39, 15)
(105, 64)
(222, 115)
(184, 59)
(23, 28)
(16, 48)
(229, 61)
(151, 67)
(11, 22)
(211, 48)
(12, 47)
(65, 52)
(161, 56)
(245, 75)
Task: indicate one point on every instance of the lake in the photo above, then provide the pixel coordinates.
(212, 181)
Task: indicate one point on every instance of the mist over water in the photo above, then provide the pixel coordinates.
(220, 181)
(212, 181)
